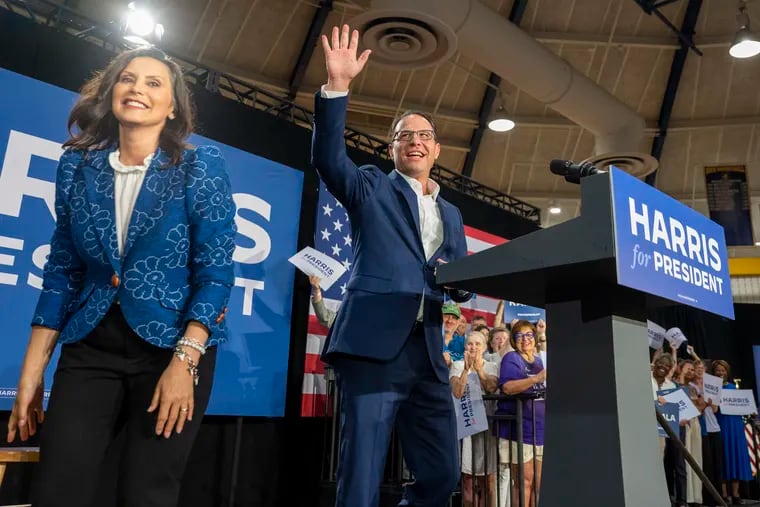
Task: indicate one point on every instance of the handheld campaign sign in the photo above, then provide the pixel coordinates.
(665, 248)
(737, 402)
(523, 312)
(470, 410)
(686, 409)
(670, 412)
(314, 263)
(713, 388)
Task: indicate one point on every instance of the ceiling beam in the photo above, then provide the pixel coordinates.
(642, 41)
(309, 44)
(486, 105)
(674, 79)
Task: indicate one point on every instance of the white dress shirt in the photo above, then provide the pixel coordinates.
(431, 225)
(126, 185)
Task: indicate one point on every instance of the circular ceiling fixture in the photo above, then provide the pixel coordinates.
(635, 164)
(405, 39)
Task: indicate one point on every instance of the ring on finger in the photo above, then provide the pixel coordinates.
(184, 409)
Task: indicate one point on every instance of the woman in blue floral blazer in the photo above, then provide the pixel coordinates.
(135, 289)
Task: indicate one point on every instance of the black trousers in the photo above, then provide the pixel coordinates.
(675, 469)
(103, 385)
(712, 464)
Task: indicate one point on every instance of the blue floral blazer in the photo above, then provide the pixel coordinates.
(177, 261)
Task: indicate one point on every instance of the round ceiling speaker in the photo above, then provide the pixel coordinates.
(404, 39)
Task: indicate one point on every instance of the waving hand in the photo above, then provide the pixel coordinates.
(340, 57)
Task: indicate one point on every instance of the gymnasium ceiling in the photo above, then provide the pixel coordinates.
(715, 116)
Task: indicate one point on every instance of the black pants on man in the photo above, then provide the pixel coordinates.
(103, 385)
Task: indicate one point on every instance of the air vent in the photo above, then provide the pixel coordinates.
(636, 164)
(405, 39)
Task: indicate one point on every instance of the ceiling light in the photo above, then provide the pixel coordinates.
(554, 208)
(140, 27)
(746, 44)
(500, 122)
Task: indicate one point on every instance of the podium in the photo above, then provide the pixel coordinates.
(601, 443)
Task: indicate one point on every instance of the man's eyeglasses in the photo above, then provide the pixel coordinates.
(528, 336)
(406, 136)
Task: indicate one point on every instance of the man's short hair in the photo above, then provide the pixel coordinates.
(411, 112)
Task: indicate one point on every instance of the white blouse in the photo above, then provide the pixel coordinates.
(126, 185)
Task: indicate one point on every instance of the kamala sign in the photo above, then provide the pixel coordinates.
(667, 249)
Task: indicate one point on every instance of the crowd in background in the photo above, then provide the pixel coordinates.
(510, 358)
(716, 441)
(506, 358)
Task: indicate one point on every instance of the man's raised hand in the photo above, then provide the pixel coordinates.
(340, 58)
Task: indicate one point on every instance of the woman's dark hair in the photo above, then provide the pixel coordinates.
(92, 124)
(725, 365)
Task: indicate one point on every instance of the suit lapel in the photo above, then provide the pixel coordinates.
(411, 211)
(148, 204)
(98, 178)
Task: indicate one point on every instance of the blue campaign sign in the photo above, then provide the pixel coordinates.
(665, 248)
(522, 312)
(670, 412)
(252, 365)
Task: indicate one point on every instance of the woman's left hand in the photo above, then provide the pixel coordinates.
(173, 397)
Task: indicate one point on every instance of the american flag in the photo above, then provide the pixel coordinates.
(333, 237)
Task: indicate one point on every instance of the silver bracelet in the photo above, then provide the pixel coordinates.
(192, 343)
(192, 367)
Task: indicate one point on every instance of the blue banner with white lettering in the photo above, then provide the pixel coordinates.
(252, 365)
(523, 312)
(665, 248)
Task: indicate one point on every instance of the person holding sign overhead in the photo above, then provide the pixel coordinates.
(736, 466)
(135, 289)
(386, 344)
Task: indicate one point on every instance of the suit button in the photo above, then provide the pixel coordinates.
(115, 280)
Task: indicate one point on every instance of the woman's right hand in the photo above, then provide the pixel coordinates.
(340, 58)
(540, 376)
(27, 410)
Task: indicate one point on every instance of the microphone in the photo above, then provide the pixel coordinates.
(573, 172)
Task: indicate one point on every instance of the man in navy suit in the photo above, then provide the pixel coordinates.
(386, 343)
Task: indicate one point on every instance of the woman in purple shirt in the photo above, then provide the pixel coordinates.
(523, 372)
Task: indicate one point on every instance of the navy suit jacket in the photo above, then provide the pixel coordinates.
(177, 261)
(390, 274)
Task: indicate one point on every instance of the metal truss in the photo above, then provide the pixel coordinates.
(108, 37)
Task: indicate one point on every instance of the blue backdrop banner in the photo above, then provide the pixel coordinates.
(665, 248)
(251, 367)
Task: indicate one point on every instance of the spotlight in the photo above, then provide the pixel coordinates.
(746, 43)
(140, 29)
(554, 208)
